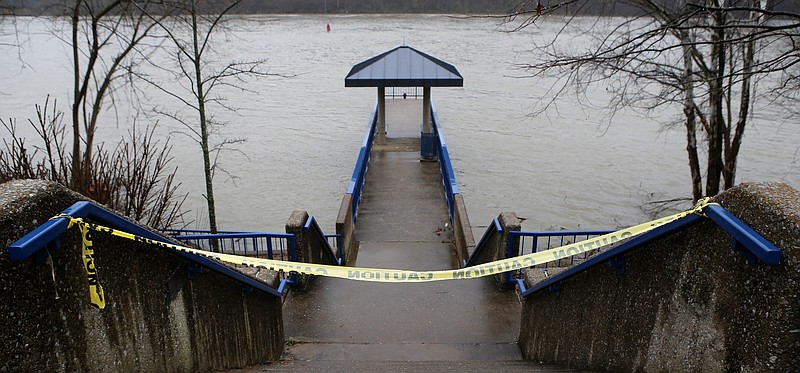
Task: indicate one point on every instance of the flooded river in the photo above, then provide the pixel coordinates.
(570, 168)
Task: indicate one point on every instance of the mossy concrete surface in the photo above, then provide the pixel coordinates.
(155, 318)
(685, 303)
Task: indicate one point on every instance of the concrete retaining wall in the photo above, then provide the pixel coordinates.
(155, 318)
(344, 226)
(495, 246)
(462, 231)
(311, 244)
(686, 303)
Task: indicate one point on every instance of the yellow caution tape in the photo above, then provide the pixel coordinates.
(96, 295)
(387, 275)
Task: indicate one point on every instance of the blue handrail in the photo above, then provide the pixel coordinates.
(246, 243)
(335, 241)
(362, 164)
(553, 239)
(744, 237)
(445, 166)
(311, 225)
(174, 232)
(47, 233)
(753, 246)
(534, 246)
(494, 228)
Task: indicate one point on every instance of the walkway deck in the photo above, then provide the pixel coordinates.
(401, 224)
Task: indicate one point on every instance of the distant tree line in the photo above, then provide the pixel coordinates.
(376, 6)
(55, 7)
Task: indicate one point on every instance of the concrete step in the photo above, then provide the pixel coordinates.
(402, 351)
(482, 366)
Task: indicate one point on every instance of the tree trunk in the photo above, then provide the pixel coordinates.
(716, 96)
(201, 109)
(76, 172)
(732, 153)
(691, 124)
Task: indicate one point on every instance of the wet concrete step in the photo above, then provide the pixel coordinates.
(409, 351)
(446, 312)
(328, 366)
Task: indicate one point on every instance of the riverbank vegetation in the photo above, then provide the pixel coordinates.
(135, 178)
(111, 44)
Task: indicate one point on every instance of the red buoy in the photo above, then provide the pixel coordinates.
(329, 27)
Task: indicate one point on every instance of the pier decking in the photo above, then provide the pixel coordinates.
(403, 222)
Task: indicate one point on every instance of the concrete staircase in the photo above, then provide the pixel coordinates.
(332, 366)
(337, 325)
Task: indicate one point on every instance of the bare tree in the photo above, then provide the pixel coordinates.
(191, 30)
(105, 36)
(135, 178)
(702, 56)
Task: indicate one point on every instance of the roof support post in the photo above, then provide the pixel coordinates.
(380, 137)
(426, 110)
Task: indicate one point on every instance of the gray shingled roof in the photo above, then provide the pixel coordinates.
(403, 67)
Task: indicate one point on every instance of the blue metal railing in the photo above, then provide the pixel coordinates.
(328, 251)
(335, 242)
(268, 245)
(362, 164)
(493, 229)
(531, 242)
(33, 243)
(173, 232)
(750, 244)
(404, 92)
(445, 167)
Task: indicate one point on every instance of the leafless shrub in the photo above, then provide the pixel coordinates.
(135, 179)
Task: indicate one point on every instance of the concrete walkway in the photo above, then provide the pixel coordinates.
(403, 223)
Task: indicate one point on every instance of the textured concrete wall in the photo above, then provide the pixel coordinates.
(686, 303)
(462, 231)
(496, 245)
(310, 245)
(155, 318)
(344, 226)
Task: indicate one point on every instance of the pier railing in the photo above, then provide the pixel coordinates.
(482, 254)
(531, 242)
(404, 92)
(445, 167)
(348, 211)
(280, 246)
(362, 164)
(318, 245)
(462, 232)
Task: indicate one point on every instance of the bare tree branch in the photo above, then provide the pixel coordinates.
(725, 48)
